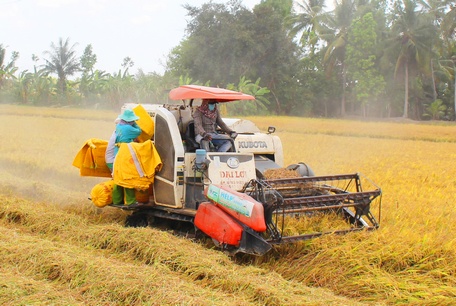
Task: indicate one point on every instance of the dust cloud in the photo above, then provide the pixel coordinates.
(37, 155)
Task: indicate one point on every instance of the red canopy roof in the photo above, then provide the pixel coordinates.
(203, 92)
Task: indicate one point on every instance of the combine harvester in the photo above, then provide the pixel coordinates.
(229, 197)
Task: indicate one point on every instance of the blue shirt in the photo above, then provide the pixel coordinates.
(126, 133)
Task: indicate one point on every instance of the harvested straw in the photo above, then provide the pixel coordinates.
(133, 265)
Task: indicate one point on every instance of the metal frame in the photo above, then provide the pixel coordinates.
(344, 192)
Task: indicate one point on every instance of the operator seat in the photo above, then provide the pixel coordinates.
(190, 142)
(192, 145)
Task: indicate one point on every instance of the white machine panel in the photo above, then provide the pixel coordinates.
(231, 169)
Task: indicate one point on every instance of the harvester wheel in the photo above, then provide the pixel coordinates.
(137, 220)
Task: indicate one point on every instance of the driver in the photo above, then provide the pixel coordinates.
(206, 118)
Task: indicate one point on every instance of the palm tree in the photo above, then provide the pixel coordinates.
(62, 61)
(310, 23)
(444, 13)
(340, 23)
(413, 32)
(448, 24)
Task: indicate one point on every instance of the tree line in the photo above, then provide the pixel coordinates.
(370, 58)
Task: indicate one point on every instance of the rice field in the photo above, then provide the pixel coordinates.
(57, 248)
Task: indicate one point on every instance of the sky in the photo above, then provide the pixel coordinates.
(144, 30)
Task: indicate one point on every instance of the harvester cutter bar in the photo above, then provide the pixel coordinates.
(293, 239)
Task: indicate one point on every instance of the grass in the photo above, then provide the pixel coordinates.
(410, 260)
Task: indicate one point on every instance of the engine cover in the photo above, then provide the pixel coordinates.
(217, 224)
(239, 205)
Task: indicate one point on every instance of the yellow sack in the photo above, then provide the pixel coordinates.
(145, 122)
(101, 194)
(142, 196)
(91, 159)
(136, 168)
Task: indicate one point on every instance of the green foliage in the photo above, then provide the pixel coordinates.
(313, 92)
(308, 24)
(93, 86)
(229, 41)
(127, 63)
(185, 80)
(361, 60)
(413, 32)
(282, 7)
(242, 108)
(150, 88)
(88, 60)
(364, 57)
(216, 46)
(23, 86)
(7, 70)
(119, 89)
(336, 37)
(435, 110)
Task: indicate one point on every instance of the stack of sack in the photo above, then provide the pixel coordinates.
(135, 165)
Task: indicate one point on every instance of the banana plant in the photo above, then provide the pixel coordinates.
(246, 86)
(7, 70)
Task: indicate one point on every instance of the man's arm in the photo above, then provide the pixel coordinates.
(127, 132)
(134, 131)
(198, 120)
(222, 124)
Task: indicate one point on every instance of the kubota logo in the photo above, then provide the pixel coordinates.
(232, 162)
(252, 144)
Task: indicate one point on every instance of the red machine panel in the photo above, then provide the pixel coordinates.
(217, 224)
(239, 205)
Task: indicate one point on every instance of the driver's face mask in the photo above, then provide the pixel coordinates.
(211, 106)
